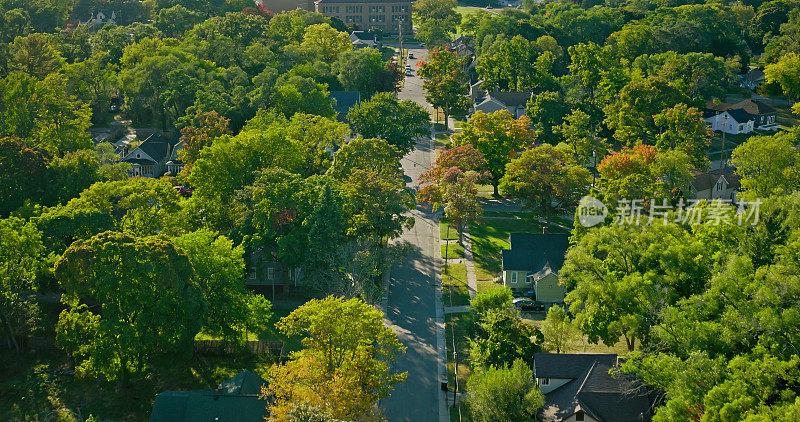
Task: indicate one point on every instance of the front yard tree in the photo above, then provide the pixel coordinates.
(545, 180)
(446, 82)
(231, 311)
(21, 244)
(498, 136)
(682, 127)
(501, 337)
(558, 331)
(345, 364)
(128, 300)
(451, 184)
(398, 122)
(546, 112)
(503, 393)
(786, 73)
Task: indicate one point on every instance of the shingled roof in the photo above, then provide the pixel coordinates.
(593, 390)
(236, 399)
(535, 253)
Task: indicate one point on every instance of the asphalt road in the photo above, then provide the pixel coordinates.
(413, 309)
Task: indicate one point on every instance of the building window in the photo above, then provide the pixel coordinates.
(719, 185)
(270, 274)
(514, 278)
(579, 415)
(545, 381)
(377, 18)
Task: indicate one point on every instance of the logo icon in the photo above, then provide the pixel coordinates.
(591, 211)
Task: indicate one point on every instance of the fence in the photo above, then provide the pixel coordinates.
(222, 347)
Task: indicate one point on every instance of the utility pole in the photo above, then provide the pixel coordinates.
(400, 38)
(722, 155)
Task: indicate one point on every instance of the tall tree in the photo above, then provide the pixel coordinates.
(446, 82)
(326, 42)
(546, 112)
(504, 393)
(345, 364)
(398, 122)
(682, 127)
(436, 20)
(545, 180)
(558, 331)
(768, 164)
(21, 244)
(200, 132)
(24, 176)
(117, 337)
(498, 136)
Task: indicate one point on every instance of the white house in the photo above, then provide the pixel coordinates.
(101, 18)
(732, 121)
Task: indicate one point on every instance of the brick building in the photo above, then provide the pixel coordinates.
(385, 15)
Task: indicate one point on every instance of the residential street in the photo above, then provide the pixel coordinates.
(414, 298)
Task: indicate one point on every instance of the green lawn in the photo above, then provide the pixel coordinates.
(488, 285)
(442, 139)
(444, 234)
(454, 281)
(452, 250)
(490, 236)
(584, 346)
(458, 327)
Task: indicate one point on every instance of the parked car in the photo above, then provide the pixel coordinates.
(422, 45)
(525, 304)
(410, 55)
(409, 72)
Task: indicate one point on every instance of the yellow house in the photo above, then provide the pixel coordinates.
(533, 263)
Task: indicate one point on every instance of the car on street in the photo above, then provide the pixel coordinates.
(422, 45)
(409, 72)
(410, 55)
(525, 304)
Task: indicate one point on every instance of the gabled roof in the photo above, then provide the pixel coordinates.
(490, 105)
(156, 146)
(704, 181)
(535, 253)
(755, 75)
(594, 390)
(362, 1)
(568, 365)
(753, 107)
(739, 115)
(235, 402)
(343, 101)
(511, 99)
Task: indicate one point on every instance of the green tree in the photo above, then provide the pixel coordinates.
(377, 206)
(324, 260)
(24, 175)
(231, 311)
(326, 42)
(682, 127)
(117, 338)
(200, 132)
(502, 337)
(498, 136)
(436, 20)
(71, 175)
(446, 82)
(297, 94)
(176, 20)
(497, 299)
(786, 73)
(545, 180)
(511, 67)
(503, 393)
(546, 112)
(580, 133)
(36, 55)
(364, 70)
(21, 244)
(398, 122)
(345, 364)
(375, 155)
(93, 81)
(558, 331)
(767, 164)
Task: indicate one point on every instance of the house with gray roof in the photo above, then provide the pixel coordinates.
(364, 39)
(343, 101)
(533, 262)
(515, 102)
(149, 159)
(733, 121)
(742, 117)
(234, 400)
(722, 184)
(584, 387)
